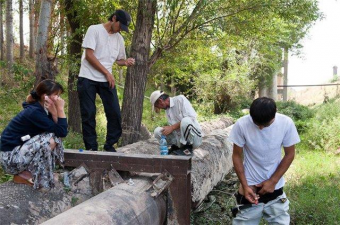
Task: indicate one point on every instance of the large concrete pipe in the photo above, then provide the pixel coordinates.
(122, 204)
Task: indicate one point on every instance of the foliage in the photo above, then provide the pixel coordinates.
(322, 131)
(73, 140)
(294, 110)
(21, 71)
(299, 113)
(219, 51)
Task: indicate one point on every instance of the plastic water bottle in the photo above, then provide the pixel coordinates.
(163, 146)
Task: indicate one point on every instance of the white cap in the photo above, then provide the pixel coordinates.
(154, 97)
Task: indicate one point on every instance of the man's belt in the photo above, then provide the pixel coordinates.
(243, 203)
(241, 200)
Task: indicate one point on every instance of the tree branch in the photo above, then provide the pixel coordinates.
(206, 23)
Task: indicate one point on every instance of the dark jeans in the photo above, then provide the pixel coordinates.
(87, 90)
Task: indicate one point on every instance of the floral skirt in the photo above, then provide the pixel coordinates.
(35, 156)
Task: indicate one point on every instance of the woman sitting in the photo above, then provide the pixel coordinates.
(31, 143)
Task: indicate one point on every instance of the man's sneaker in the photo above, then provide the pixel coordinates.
(185, 150)
(109, 148)
(172, 149)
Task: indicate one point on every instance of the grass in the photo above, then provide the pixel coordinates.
(313, 187)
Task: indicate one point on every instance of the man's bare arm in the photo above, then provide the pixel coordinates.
(239, 169)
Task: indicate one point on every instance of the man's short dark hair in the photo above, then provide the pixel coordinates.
(263, 110)
(110, 17)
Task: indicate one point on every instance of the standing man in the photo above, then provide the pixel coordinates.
(258, 139)
(103, 46)
(183, 132)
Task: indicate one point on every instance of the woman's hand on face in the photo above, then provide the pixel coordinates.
(59, 102)
(50, 106)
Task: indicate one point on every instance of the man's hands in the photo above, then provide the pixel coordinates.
(108, 75)
(167, 130)
(267, 186)
(129, 62)
(110, 79)
(250, 194)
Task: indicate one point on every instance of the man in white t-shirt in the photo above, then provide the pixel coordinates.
(258, 139)
(103, 46)
(184, 132)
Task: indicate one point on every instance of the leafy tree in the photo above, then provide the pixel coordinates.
(250, 21)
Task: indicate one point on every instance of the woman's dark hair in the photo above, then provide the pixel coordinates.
(47, 87)
(263, 110)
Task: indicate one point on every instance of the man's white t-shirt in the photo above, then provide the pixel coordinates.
(180, 107)
(262, 148)
(108, 48)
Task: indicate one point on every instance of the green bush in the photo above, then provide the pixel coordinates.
(323, 130)
(299, 113)
(73, 140)
(294, 110)
(21, 71)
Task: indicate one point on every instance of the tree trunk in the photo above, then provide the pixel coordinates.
(62, 33)
(1, 32)
(263, 90)
(32, 32)
(121, 76)
(9, 35)
(173, 87)
(43, 68)
(136, 76)
(74, 58)
(272, 89)
(37, 4)
(21, 28)
(285, 75)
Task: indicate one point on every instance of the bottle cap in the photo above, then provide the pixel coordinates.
(81, 150)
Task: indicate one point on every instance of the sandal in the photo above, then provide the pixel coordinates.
(19, 180)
